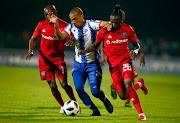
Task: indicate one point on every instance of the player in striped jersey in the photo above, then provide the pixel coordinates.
(86, 65)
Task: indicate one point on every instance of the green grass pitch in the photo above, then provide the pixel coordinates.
(25, 98)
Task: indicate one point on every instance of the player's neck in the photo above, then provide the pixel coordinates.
(117, 29)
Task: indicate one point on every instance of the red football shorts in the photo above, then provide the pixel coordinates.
(50, 68)
(124, 70)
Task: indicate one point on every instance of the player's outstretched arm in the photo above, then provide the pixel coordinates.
(104, 23)
(59, 35)
(32, 43)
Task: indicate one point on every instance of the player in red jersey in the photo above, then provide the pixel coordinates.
(119, 58)
(51, 55)
(142, 63)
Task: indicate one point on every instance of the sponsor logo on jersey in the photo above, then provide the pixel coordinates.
(117, 41)
(49, 37)
(109, 36)
(124, 34)
(108, 42)
(43, 30)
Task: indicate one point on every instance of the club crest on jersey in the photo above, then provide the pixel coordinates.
(43, 73)
(124, 34)
(86, 30)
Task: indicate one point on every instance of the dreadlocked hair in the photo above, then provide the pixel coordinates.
(117, 11)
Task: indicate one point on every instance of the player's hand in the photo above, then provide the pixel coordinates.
(70, 42)
(142, 60)
(80, 52)
(29, 55)
(52, 18)
(134, 55)
(108, 26)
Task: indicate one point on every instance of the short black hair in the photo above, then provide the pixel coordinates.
(117, 11)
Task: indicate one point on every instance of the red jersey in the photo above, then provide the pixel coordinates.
(116, 43)
(50, 47)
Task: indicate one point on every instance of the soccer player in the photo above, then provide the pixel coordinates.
(86, 65)
(119, 58)
(142, 63)
(51, 55)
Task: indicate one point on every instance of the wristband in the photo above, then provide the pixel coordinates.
(136, 51)
(31, 53)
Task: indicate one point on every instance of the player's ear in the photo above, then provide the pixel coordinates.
(82, 16)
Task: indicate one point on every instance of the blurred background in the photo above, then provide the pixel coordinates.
(156, 24)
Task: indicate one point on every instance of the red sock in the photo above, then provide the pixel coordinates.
(70, 93)
(58, 97)
(128, 100)
(135, 99)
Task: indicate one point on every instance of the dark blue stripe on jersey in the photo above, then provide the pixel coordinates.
(81, 43)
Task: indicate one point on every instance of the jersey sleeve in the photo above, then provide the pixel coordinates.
(67, 29)
(62, 24)
(132, 36)
(37, 31)
(99, 36)
(95, 24)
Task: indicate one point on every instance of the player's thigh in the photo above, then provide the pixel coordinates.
(61, 70)
(46, 70)
(117, 79)
(79, 79)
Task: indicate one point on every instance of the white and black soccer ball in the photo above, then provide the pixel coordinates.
(71, 108)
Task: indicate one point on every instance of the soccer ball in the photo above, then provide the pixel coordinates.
(71, 108)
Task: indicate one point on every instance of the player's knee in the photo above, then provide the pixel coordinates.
(128, 83)
(64, 86)
(63, 83)
(122, 96)
(53, 86)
